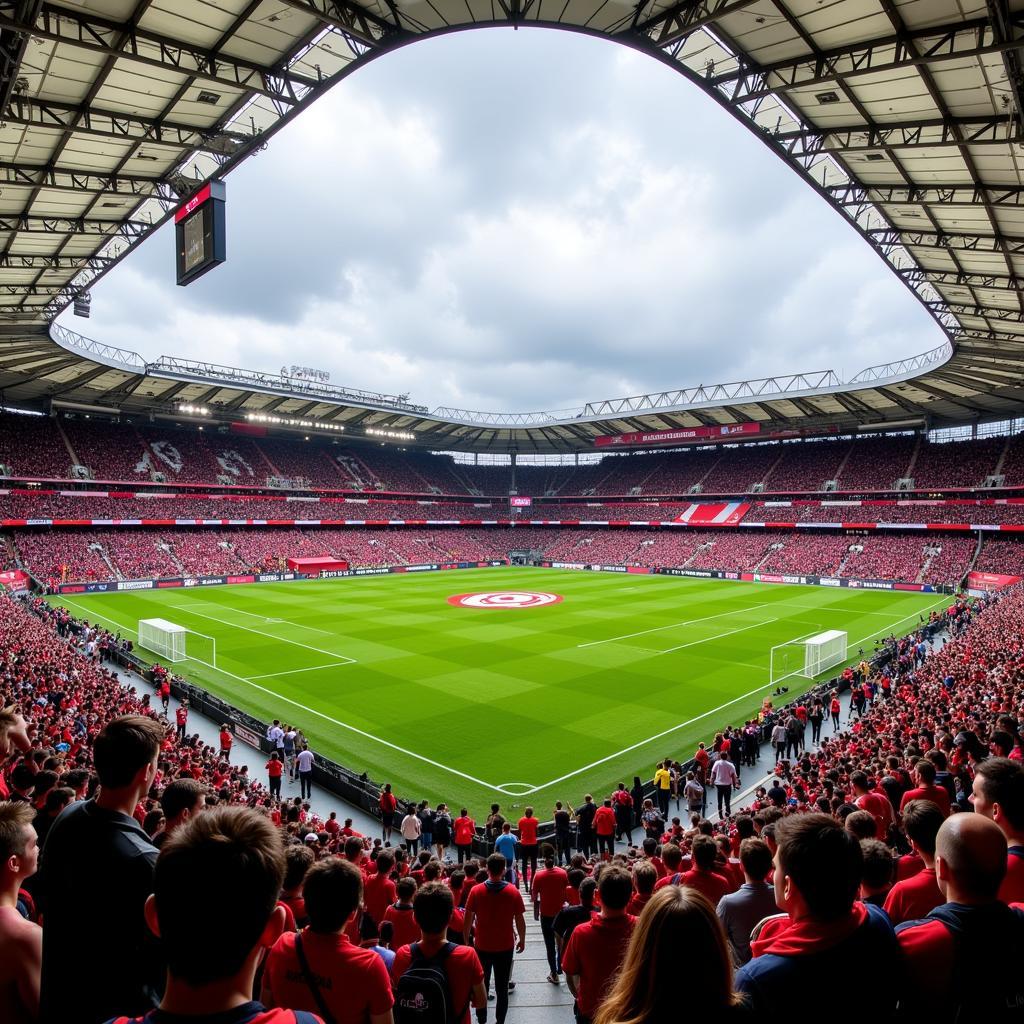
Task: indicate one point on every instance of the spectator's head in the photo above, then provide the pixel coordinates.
(970, 859)
(385, 862)
(354, 849)
(433, 907)
(704, 852)
(859, 781)
(671, 856)
(615, 884)
(588, 890)
(231, 859)
(496, 865)
(297, 861)
(180, 800)
(645, 878)
(406, 889)
(924, 772)
(756, 859)
(676, 918)
(877, 875)
(125, 755)
(333, 890)
(818, 867)
(999, 793)
(921, 821)
(19, 851)
(861, 824)
(57, 799)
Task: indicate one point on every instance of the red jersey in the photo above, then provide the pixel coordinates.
(225, 739)
(937, 794)
(528, 831)
(712, 885)
(378, 894)
(878, 806)
(548, 886)
(406, 928)
(275, 769)
(465, 829)
(914, 897)
(181, 715)
(360, 986)
(604, 821)
(595, 953)
(1012, 889)
(461, 967)
(495, 906)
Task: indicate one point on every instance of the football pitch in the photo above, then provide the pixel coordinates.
(523, 705)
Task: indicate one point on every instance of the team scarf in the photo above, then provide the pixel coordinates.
(782, 936)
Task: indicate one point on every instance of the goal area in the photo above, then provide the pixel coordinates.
(175, 643)
(808, 656)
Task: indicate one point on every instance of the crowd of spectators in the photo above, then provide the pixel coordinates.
(39, 446)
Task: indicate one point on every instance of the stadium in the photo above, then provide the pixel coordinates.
(747, 657)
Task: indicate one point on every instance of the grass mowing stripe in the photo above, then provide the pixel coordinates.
(718, 636)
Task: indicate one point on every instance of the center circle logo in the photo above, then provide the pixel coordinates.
(505, 599)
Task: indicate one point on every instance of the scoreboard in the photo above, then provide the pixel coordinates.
(199, 232)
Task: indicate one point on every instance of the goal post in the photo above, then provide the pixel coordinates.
(175, 643)
(808, 656)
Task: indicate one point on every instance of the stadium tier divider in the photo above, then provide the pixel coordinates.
(359, 790)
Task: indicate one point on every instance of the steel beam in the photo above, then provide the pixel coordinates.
(911, 48)
(69, 179)
(124, 40)
(936, 240)
(856, 194)
(354, 20)
(130, 229)
(680, 20)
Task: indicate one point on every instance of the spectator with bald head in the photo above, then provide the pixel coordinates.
(998, 793)
(963, 959)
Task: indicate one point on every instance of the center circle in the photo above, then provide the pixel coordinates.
(505, 599)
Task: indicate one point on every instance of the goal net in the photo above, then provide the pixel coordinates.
(808, 656)
(174, 643)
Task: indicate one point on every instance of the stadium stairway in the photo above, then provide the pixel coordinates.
(535, 999)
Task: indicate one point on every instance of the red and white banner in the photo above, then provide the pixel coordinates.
(990, 580)
(722, 513)
(15, 579)
(517, 502)
(669, 436)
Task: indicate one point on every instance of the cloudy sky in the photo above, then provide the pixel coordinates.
(527, 220)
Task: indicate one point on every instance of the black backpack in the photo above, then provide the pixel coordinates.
(422, 994)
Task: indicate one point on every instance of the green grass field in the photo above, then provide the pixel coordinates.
(521, 705)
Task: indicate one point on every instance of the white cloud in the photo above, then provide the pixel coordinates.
(520, 221)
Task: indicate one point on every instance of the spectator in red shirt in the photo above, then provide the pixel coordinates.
(380, 891)
(528, 845)
(597, 948)
(549, 892)
(914, 897)
(998, 793)
(388, 804)
(702, 876)
(231, 858)
(874, 802)
(226, 741)
(297, 862)
(495, 908)
(963, 960)
(275, 768)
(400, 914)
(924, 777)
(604, 829)
(644, 879)
(181, 719)
(319, 968)
(647, 986)
(465, 829)
(180, 801)
(433, 908)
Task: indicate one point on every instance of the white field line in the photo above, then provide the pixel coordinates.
(713, 711)
(313, 711)
(708, 639)
(269, 636)
(294, 671)
(674, 625)
(266, 618)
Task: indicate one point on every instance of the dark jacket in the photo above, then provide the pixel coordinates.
(99, 958)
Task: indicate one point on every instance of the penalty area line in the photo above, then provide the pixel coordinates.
(295, 671)
(674, 625)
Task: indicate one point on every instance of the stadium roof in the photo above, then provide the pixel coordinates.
(905, 115)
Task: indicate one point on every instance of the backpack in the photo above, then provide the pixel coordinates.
(422, 993)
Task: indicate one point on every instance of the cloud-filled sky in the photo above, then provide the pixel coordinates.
(501, 220)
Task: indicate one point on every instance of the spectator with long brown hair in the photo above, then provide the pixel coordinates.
(645, 991)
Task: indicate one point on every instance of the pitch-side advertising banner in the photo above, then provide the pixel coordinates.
(669, 436)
